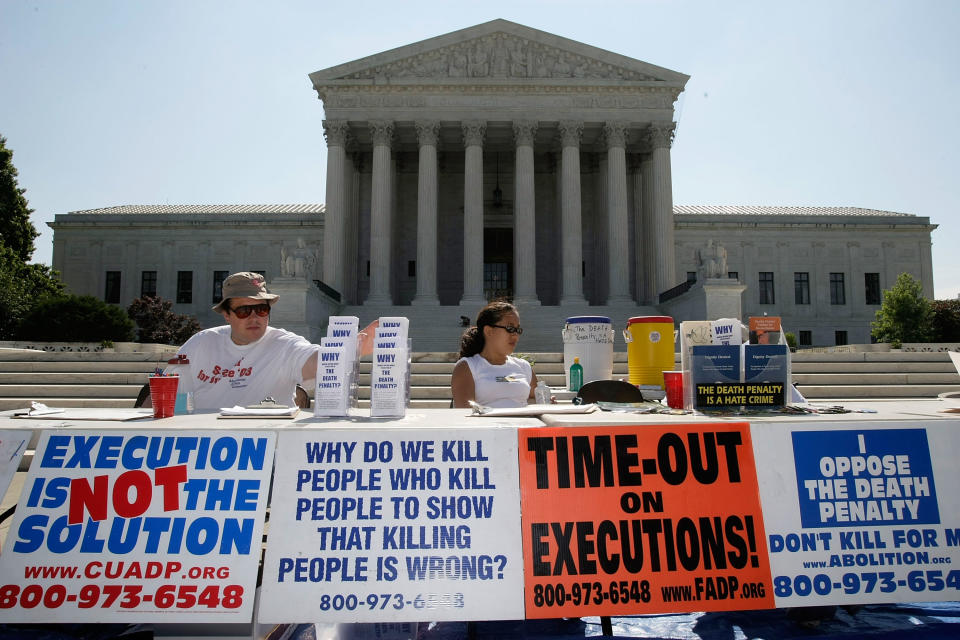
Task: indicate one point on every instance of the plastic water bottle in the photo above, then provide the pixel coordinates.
(542, 393)
(180, 366)
(576, 375)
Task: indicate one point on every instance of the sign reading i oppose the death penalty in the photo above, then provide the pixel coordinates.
(394, 524)
(861, 513)
(139, 526)
(641, 519)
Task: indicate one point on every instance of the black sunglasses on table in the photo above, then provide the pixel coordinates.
(262, 310)
(516, 330)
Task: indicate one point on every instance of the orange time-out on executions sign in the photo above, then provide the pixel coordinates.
(641, 519)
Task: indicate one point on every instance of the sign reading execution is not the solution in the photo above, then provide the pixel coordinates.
(143, 526)
(394, 525)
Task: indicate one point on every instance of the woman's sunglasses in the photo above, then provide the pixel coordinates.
(516, 330)
(244, 311)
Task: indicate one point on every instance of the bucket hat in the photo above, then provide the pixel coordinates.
(244, 285)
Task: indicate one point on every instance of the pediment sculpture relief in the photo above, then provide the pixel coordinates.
(498, 55)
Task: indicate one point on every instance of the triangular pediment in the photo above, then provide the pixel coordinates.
(497, 52)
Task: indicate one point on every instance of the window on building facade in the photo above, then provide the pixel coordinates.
(766, 287)
(691, 276)
(734, 275)
(148, 284)
(218, 278)
(837, 292)
(871, 287)
(801, 287)
(111, 293)
(411, 268)
(806, 339)
(840, 338)
(184, 287)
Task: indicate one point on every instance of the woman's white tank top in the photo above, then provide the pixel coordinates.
(500, 385)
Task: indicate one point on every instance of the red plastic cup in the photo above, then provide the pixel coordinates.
(673, 382)
(163, 395)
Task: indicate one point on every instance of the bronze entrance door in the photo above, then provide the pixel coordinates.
(498, 263)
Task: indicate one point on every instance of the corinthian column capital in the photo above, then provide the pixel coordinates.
(473, 132)
(382, 132)
(570, 132)
(660, 135)
(615, 134)
(337, 132)
(427, 132)
(523, 132)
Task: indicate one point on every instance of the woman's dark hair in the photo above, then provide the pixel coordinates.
(472, 340)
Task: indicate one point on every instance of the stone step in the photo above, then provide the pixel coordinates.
(104, 379)
(854, 392)
(925, 366)
(46, 378)
(811, 355)
(100, 366)
(869, 379)
(22, 355)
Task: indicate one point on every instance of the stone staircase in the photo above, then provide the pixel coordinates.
(107, 379)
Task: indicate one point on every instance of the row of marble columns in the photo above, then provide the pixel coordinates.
(655, 244)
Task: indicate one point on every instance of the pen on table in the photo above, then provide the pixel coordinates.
(22, 442)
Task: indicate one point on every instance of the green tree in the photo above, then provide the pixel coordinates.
(77, 318)
(16, 230)
(21, 287)
(158, 323)
(905, 315)
(946, 320)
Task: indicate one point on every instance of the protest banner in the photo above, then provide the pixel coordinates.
(641, 519)
(853, 514)
(139, 526)
(394, 525)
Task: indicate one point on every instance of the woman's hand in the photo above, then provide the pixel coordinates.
(365, 338)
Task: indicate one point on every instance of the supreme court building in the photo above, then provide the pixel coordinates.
(503, 160)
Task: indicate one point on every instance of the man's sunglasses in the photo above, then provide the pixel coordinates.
(516, 330)
(262, 310)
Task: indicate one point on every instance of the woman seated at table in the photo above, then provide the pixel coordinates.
(486, 372)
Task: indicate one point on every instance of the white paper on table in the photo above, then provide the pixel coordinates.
(237, 410)
(533, 409)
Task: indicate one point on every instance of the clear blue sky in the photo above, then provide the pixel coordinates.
(822, 102)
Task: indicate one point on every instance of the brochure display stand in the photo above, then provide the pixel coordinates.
(722, 372)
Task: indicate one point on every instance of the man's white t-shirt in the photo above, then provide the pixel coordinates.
(500, 385)
(225, 374)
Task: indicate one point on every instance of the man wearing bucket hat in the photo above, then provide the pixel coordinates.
(246, 360)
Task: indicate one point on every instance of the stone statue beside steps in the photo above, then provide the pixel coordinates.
(299, 262)
(712, 260)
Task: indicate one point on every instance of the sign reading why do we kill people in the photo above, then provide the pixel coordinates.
(141, 526)
(393, 525)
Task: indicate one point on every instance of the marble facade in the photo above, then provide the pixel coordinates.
(501, 160)
(498, 130)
